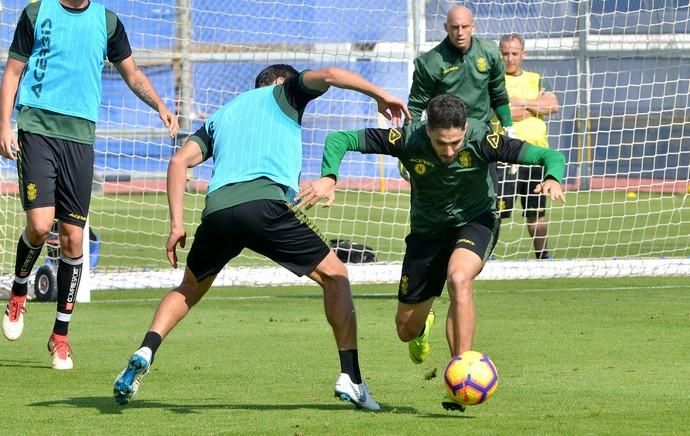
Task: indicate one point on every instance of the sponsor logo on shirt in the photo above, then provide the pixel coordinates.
(450, 69)
(421, 165)
(41, 64)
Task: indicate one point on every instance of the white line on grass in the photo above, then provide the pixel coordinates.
(393, 294)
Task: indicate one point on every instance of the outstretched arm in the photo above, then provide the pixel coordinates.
(337, 144)
(390, 107)
(554, 169)
(188, 156)
(142, 87)
(552, 189)
(372, 141)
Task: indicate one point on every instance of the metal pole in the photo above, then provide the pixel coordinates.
(183, 66)
(582, 122)
(184, 78)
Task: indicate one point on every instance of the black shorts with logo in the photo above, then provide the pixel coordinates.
(55, 172)
(271, 228)
(425, 266)
(521, 184)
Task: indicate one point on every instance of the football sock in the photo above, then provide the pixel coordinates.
(544, 254)
(27, 255)
(349, 364)
(19, 286)
(68, 277)
(152, 340)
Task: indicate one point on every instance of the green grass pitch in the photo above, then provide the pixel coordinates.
(574, 357)
(133, 228)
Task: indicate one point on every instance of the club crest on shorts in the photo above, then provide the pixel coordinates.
(31, 191)
(403, 284)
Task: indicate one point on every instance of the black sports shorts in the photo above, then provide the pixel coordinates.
(271, 228)
(55, 172)
(425, 266)
(521, 184)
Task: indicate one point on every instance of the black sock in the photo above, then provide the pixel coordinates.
(349, 364)
(68, 277)
(27, 255)
(19, 286)
(544, 254)
(152, 340)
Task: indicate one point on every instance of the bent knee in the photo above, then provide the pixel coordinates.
(407, 331)
(37, 233)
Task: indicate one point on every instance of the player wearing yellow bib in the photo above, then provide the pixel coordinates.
(530, 102)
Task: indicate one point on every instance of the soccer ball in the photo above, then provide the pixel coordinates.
(470, 378)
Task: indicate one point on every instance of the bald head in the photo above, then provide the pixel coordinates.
(459, 26)
(459, 12)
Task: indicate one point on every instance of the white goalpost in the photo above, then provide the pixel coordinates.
(619, 70)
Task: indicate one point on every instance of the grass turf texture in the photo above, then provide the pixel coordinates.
(574, 356)
(133, 228)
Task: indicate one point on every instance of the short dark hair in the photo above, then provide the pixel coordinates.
(446, 111)
(511, 36)
(269, 74)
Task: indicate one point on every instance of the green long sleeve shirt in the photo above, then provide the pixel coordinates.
(443, 196)
(476, 76)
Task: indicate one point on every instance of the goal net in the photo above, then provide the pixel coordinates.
(619, 70)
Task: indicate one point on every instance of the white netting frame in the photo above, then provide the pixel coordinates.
(158, 52)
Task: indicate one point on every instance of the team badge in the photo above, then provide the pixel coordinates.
(502, 205)
(394, 135)
(403, 284)
(482, 65)
(420, 168)
(493, 140)
(465, 159)
(31, 191)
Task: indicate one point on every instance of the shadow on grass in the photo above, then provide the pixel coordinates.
(447, 415)
(23, 363)
(108, 406)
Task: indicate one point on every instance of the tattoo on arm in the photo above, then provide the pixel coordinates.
(143, 89)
